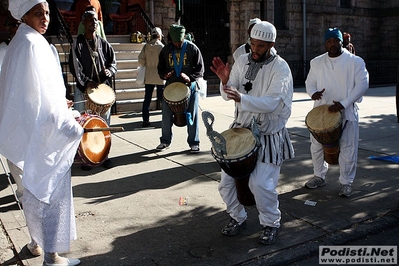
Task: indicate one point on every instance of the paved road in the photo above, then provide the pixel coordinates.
(130, 214)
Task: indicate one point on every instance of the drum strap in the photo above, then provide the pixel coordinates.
(189, 116)
(93, 54)
(179, 67)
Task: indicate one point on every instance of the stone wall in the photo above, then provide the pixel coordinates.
(373, 25)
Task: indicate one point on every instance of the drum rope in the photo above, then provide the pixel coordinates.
(93, 55)
(217, 140)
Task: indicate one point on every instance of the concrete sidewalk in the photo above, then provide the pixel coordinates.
(130, 214)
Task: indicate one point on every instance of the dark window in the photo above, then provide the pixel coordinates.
(280, 14)
(345, 3)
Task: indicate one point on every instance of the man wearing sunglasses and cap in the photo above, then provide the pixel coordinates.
(337, 78)
(260, 83)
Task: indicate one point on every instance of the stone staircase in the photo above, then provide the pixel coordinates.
(129, 95)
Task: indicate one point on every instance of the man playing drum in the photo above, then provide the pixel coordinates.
(261, 85)
(181, 61)
(340, 79)
(92, 62)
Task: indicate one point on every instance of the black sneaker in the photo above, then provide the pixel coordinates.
(232, 228)
(107, 164)
(86, 168)
(162, 147)
(269, 235)
(146, 124)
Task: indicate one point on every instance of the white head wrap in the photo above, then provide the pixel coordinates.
(264, 31)
(19, 8)
(253, 21)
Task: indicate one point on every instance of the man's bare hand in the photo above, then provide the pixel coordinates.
(220, 69)
(336, 107)
(232, 93)
(318, 95)
(185, 77)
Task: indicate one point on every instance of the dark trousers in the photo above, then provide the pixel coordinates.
(149, 89)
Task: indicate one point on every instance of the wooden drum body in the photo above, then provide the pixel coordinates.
(100, 99)
(240, 160)
(94, 146)
(326, 128)
(177, 96)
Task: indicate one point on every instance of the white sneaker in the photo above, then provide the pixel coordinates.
(346, 191)
(315, 182)
(69, 262)
(34, 249)
(194, 149)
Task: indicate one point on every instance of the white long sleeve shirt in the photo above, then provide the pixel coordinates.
(270, 99)
(345, 79)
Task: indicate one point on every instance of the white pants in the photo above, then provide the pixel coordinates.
(347, 160)
(262, 182)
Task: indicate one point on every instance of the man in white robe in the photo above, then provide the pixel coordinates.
(340, 79)
(261, 85)
(39, 134)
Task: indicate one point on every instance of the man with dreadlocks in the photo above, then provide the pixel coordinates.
(260, 83)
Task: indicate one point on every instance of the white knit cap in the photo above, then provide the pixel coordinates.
(19, 8)
(264, 31)
(156, 31)
(253, 21)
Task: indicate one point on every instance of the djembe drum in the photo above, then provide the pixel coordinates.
(100, 99)
(236, 151)
(94, 146)
(177, 96)
(239, 161)
(326, 128)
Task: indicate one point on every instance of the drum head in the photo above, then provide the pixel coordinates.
(239, 142)
(176, 92)
(319, 119)
(95, 146)
(102, 95)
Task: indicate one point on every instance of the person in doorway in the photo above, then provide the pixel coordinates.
(38, 133)
(80, 9)
(246, 47)
(337, 78)
(92, 62)
(100, 27)
(261, 86)
(149, 57)
(347, 43)
(181, 61)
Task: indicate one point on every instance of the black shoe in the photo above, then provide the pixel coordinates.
(146, 124)
(107, 164)
(269, 235)
(232, 228)
(86, 168)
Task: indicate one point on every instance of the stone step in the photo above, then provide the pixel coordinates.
(129, 95)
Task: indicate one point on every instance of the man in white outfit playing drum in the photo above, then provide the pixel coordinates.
(340, 79)
(260, 83)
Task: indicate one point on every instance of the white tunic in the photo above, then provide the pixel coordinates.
(270, 99)
(345, 79)
(37, 131)
(270, 102)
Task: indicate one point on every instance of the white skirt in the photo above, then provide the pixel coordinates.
(52, 225)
